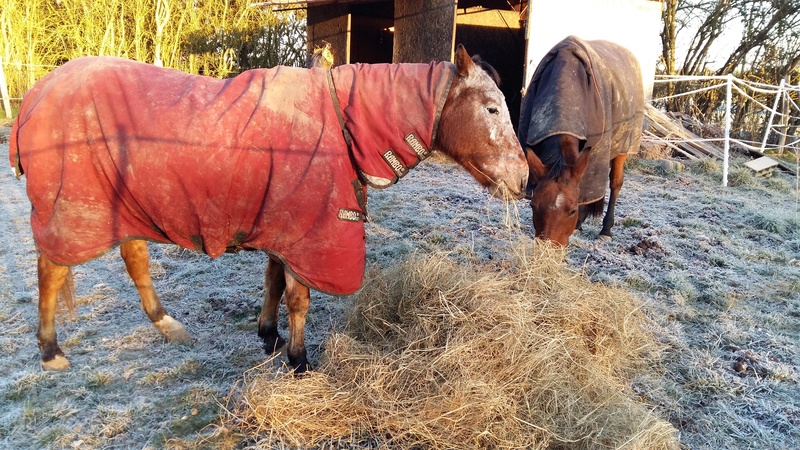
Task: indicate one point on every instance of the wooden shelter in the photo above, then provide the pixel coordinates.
(512, 35)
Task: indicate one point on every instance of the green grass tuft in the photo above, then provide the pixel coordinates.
(705, 166)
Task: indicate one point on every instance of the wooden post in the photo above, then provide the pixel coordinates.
(4, 91)
(424, 30)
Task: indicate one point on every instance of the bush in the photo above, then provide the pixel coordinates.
(215, 38)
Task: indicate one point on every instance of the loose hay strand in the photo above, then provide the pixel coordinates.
(524, 353)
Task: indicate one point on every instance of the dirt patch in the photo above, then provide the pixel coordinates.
(717, 269)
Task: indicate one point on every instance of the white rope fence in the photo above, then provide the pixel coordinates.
(784, 110)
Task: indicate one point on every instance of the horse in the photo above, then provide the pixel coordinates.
(582, 115)
(118, 153)
(321, 57)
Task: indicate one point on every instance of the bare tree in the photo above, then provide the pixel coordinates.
(768, 50)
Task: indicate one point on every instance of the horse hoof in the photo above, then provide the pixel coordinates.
(173, 331)
(302, 369)
(58, 363)
(604, 237)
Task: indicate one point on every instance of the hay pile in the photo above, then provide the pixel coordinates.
(440, 354)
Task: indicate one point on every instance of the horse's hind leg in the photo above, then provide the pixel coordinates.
(51, 279)
(137, 262)
(615, 184)
(275, 283)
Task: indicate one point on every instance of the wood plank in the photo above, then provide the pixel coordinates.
(674, 147)
(666, 128)
(761, 164)
(665, 125)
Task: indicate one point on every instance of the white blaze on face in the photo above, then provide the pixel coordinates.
(559, 203)
(493, 130)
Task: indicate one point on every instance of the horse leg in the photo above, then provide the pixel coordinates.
(275, 282)
(298, 299)
(137, 262)
(51, 279)
(615, 184)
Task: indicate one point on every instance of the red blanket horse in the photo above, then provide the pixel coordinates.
(119, 152)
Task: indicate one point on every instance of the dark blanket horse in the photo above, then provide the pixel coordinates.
(118, 152)
(582, 115)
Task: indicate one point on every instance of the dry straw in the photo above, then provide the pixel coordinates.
(521, 353)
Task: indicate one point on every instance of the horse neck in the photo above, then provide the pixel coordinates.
(383, 104)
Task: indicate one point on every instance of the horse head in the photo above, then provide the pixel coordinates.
(475, 130)
(556, 186)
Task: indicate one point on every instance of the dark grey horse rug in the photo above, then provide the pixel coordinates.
(591, 90)
(115, 150)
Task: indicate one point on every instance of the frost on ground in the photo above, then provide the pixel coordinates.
(719, 269)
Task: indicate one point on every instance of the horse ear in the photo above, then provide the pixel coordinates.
(464, 63)
(577, 169)
(535, 166)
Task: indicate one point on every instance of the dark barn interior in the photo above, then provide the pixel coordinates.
(425, 30)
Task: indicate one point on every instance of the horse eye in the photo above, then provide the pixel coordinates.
(573, 212)
(493, 110)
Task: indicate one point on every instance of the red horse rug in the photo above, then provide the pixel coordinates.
(114, 149)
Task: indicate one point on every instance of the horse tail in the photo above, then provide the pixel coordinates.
(595, 208)
(66, 295)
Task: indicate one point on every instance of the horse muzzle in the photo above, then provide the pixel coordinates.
(506, 193)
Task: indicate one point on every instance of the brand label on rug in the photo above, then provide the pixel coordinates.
(413, 142)
(395, 163)
(350, 215)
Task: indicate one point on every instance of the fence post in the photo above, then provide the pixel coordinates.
(728, 95)
(784, 127)
(772, 116)
(4, 91)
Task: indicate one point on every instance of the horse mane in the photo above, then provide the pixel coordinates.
(549, 152)
(487, 68)
(321, 57)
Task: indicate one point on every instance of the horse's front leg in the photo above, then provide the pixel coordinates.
(615, 184)
(275, 284)
(298, 299)
(51, 279)
(137, 262)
